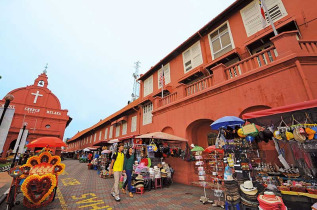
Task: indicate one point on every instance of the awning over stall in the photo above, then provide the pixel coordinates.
(299, 111)
(161, 135)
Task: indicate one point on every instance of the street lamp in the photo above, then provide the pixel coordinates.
(8, 99)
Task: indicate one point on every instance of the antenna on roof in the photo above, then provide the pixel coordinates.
(136, 85)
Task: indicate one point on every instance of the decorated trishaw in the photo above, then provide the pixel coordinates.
(38, 178)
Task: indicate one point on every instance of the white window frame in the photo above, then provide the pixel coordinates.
(95, 137)
(124, 127)
(134, 121)
(110, 132)
(106, 133)
(117, 130)
(90, 138)
(148, 86)
(210, 40)
(147, 113)
(167, 75)
(100, 135)
(192, 56)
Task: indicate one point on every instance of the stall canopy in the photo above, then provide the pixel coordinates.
(113, 141)
(161, 135)
(101, 143)
(303, 111)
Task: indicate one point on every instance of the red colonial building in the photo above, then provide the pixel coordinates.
(232, 65)
(37, 106)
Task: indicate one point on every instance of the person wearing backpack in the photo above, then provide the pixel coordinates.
(116, 168)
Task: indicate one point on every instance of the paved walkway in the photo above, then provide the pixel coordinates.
(80, 188)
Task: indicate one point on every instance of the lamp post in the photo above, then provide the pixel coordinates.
(8, 99)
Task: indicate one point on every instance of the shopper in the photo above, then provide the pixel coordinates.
(116, 168)
(128, 167)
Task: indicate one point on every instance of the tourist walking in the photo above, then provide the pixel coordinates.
(116, 168)
(128, 168)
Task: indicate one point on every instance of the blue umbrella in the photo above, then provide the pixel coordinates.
(226, 121)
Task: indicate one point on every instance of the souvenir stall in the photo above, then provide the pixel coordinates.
(104, 162)
(152, 151)
(291, 170)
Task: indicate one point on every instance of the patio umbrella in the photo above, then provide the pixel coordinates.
(47, 142)
(226, 121)
(210, 148)
(86, 150)
(106, 151)
(197, 149)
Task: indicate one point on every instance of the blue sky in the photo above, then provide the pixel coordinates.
(91, 47)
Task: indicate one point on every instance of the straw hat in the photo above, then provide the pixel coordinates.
(248, 188)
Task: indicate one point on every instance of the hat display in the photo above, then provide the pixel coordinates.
(248, 188)
(270, 200)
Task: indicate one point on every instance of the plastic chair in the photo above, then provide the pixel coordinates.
(158, 183)
(140, 190)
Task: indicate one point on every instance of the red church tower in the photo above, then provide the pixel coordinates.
(37, 106)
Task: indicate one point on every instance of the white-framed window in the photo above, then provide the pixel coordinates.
(192, 57)
(133, 123)
(100, 135)
(106, 133)
(124, 128)
(117, 130)
(221, 41)
(110, 132)
(148, 86)
(253, 20)
(95, 137)
(87, 140)
(90, 138)
(147, 113)
(167, 75)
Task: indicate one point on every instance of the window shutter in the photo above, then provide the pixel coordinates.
(124, 128)
(95, 137)
(117, 130)
(106, 133)
(196, 55)
(252, 18)
(187, 60)
(110, 131)
(133, 123)
(148, 86)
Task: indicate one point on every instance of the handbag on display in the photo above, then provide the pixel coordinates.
(250, 129)
(153, 145)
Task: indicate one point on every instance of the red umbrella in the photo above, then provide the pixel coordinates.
(47, 142)
(210, 148)
(213, 148)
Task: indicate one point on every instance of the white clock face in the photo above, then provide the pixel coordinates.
(41, 83)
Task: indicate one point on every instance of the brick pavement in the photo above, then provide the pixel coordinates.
(80, 188)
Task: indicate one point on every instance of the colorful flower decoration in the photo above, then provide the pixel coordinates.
(34, 160)
(37, 188)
